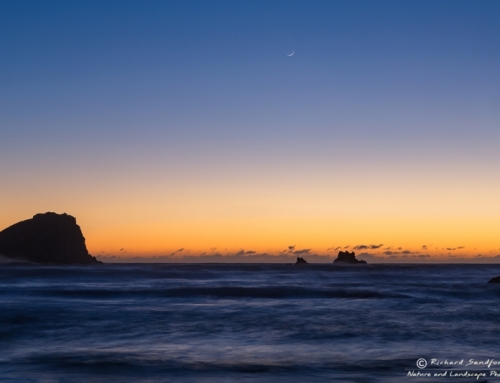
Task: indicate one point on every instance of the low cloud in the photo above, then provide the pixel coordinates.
(290, 249)
(361, 247)
(302, 252)
(289, 255)
(177, 251)
(455, 248)
(370, 258)
(240, 256)
(366, 247)
(243, 252)
(404, 252)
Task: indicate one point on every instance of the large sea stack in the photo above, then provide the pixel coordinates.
(346, 257)
(46, 238)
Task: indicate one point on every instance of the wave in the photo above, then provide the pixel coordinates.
(269, 292)
(127, 362)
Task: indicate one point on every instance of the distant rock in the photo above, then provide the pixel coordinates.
(301, 261)
(346, 257)
(46, 238)
(494, 280)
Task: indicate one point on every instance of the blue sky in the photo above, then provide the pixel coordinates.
(109, 95)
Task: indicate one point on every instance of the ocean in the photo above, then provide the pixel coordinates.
(249, 323)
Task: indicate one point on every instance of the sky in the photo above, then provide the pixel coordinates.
(169, 125)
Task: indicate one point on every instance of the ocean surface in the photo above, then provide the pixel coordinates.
(248, 323)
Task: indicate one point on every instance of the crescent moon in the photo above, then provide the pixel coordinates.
(291, 54)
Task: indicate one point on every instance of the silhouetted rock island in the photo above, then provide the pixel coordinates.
(346, 257)
(494, 280)
(46, 238)
(301, 261)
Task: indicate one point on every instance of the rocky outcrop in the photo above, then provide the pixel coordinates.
(301, 261)
(494, 280)
(46, 238)
(346, 257)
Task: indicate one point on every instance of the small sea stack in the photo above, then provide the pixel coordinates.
(301, 261)
(494, 280)
(48, 238)
(348, 258)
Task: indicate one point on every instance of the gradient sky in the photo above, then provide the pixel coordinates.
(163, 125)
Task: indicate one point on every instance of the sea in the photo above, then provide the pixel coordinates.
(256, 323)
